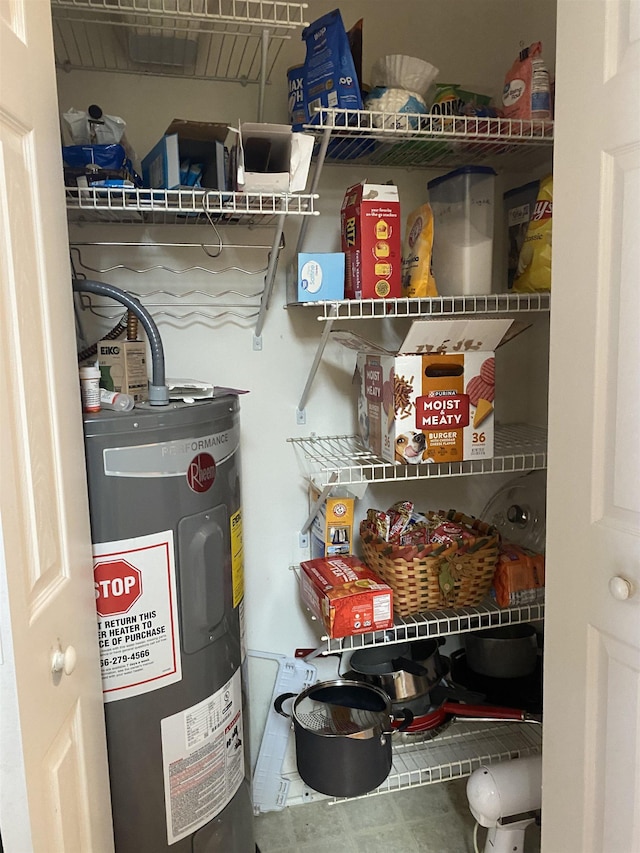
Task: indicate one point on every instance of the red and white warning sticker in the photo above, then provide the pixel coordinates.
(202, 759)
(136, 605)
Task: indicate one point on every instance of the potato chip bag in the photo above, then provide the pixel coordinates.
(417, 276)
(534, 264)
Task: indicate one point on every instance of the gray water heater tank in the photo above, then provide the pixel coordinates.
(166, 522)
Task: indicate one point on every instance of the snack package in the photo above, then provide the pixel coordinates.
(450, 100)
(534, 263)
(93, 127)
(417, 276)
(346, 596)
(527, 92)
(519, 576)
(329, 73)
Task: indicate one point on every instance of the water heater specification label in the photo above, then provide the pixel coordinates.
(136, 604)
(203, 759)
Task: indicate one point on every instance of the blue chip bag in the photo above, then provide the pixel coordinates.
(330, 78)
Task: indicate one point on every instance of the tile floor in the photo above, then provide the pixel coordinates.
(427, 819)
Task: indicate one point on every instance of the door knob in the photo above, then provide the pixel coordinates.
(64, 661)
(620, 588)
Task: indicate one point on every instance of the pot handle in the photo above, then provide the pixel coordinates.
(279, 701)
(407, 719)
(489, 712)
(410, 666)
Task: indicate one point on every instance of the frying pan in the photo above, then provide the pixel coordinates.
(444, 710)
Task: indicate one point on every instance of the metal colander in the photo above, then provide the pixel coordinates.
(343, 708)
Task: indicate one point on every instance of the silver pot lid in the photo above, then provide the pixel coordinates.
(518, 510)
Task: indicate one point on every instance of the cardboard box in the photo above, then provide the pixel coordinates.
(346, 596)
(371, 226)
(320, 276)
(194, 141)
(332, 526)
(433, 400)
(123, 367)
(270, 158)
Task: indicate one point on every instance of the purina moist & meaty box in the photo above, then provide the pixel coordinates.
(346, 596)
(370, 226)
(433, 400)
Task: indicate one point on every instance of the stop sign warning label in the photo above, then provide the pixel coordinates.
(136, 605)
(118, 586)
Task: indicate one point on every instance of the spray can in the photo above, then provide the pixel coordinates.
(90, 388)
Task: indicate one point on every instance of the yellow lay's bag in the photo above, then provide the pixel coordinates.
(534, 264)
(417, 277)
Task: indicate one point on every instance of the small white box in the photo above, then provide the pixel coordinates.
(320, 276)
(272, 159)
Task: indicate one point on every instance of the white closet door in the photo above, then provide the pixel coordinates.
(591, 779)
(54, 782)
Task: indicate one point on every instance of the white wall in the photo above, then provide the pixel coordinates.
(472, 44)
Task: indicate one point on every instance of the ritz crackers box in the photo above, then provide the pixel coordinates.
(346, 596)
(433, 401)
(370, 227)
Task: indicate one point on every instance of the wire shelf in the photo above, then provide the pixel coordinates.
(412, 140)
(183, 206)
(456, 753)
(437, 623)
(495, 303)
(344, 459)
(430, 623)
(204, 39)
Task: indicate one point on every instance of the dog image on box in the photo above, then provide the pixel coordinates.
(410, 448)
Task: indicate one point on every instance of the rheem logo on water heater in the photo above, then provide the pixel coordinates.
(118, 586)
(201, 472)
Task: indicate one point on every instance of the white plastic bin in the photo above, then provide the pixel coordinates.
(463, 211)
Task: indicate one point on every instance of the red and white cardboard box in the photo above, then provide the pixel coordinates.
(434, 399)
(346, 596)
(370, 226)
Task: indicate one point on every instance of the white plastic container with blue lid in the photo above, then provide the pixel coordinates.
(463, 204)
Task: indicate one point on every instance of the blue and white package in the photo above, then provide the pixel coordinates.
(387, 100)
(330, 78)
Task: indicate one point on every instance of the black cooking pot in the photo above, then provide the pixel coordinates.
(404, 671)
(343, 733)
(507, 651)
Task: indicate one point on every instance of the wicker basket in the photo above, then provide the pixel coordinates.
(435, 576)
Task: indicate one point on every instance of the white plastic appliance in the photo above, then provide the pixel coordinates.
(506, 798)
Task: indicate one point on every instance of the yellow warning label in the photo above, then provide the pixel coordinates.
(237, 557)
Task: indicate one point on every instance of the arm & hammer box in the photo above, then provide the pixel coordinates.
(332, 525)
(346, 596)
(370, 227)
(433, 401)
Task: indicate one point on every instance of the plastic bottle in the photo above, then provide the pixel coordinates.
(90, 388)
(116, 401)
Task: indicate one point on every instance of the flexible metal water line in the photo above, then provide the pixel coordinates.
(158, 390)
